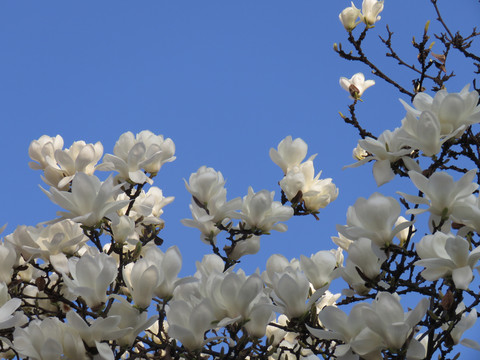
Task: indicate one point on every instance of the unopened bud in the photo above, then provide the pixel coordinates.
(427, 25)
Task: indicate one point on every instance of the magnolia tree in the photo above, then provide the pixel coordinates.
(97, 282)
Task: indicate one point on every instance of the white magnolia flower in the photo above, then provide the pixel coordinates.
(203, 222)
(206, 184)
(96, 330)
(403, 235)
(91, 274)
(131, 319)
(366, 257)
(289, 153)
(442, 193)
(466, 322)
(133, 154)
(188, 322)
(8, 259)
(63, 237)
(371, 328)
(348, 17)
(467, 212)
(123, 229)
(319, 268)
(89, 201)
(80, 157)
(356, 85)
(248, 246)
(261, 213)
(373, 218)
(447, 255)
(43, 151)
(359, 153)
(277, 264)
(291, 292)
(370, 11)
(148, 206)
(48, 339)
(423, 133)
(236, 297)
(454, 111)
(153, 275)
(158, 151)
(347, 328)
(316, 193)
(9, 317)
(211, 263)
(387, 149)
(386, 318)
(209, 203)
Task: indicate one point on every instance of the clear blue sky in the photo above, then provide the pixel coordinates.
(226, 80)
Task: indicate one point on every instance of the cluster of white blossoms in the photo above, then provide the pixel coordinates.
(95, 284)
(256, 214)
(350, 17)
(300, 183)
(425, 128)
(87, 281)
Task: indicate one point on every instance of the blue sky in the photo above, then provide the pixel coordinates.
(225, 80)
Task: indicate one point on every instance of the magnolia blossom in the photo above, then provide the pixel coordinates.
(123, 229)
(385, 317)
(346, 328)
(260, 213)
(320, 268)
(48, 339)
(366, 257)
(442, 254)
(145, 151)
(209, 194)
(454, 111)
(206, 184)
(277, 264)
(348, 17)
(467, 212)
(423, 133)
(442, 193)
(9, 317)
(236, 297)
(248, 246)
(290, 153)
(203, 222)
(465, 323)
(89, 201)
(42, 151)
(373, 218)
(370, 11)
(404, 234)
(94, 331)
(371, 328)
(290, 289)
(188, 322)
(359, 153)
(148, 206)
(387, 149)
(8, 258)
(51, 243)
(60, 166)
(356, 85)
(131, 319)
(316, 193)
(91, 275)
(80, 157)
(153, 275)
